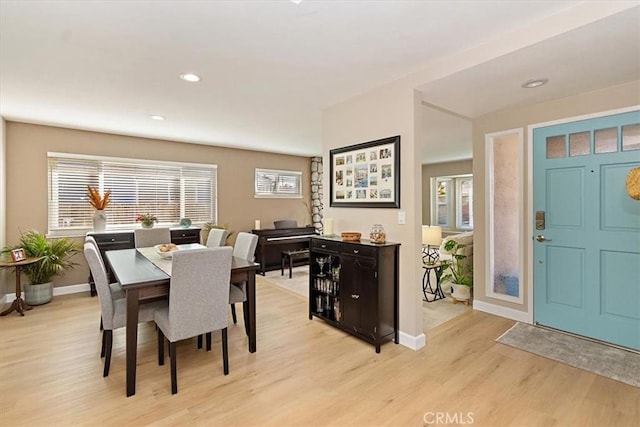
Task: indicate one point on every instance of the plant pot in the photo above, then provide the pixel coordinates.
(99, 221)
(460, 293)
(147, 224)
(38, 294)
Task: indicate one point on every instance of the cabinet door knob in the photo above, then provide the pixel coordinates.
(355, 251)
(323, 246)
(113, 240)
(183, 234)
(355, 296)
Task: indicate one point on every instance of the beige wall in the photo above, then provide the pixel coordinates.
(433, 170)
(387, 111)
(26, 174)
(612, 98)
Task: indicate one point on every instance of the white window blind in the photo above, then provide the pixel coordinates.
(276, 183)
(168, 190)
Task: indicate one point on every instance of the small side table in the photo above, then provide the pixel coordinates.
(427, 288)
(18, 304)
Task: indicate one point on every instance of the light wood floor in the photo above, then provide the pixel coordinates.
(304, 373)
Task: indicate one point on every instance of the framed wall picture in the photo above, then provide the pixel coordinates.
(366, 175)
(18, 255)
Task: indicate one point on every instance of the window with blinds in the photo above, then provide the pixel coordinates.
(168, 190)
(276, 183)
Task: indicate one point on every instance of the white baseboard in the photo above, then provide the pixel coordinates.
(413, 342)
(498, 310)
(62, 290)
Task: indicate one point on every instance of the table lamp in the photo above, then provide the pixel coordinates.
(431, 240)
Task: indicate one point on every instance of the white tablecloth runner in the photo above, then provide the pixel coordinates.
(161, 262)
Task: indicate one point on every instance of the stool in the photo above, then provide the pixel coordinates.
(292, 256)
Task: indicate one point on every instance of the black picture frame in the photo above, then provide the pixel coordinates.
(366, 175)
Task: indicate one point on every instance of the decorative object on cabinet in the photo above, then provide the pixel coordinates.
(351, 236)
(377, 234)
(366, 175)
(100, 203)
(185, 223)
(147, 220)
(354, 287)
(431, 240)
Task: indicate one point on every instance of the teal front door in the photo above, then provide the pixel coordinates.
(587, 228)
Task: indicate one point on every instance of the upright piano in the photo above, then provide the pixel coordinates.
(272, 241)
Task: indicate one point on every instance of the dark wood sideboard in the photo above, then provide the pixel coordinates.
(357, 288)
(112, 240)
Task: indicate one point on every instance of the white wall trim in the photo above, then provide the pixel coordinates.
(62, 290)
(529, 213)
(498, 310)
(413, 342)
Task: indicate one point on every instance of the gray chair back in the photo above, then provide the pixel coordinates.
(245, 246)
(147, 237)
(199, 292)
(285, 223)
(217, 237)
(99, 273)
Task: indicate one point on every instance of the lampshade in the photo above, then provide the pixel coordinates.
(431, 235)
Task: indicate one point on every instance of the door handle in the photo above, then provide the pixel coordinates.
(541, 238)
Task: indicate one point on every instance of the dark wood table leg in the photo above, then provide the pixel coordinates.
(18, 304)
(251, 300)
(132, 339)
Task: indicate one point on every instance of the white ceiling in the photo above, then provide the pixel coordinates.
(270, 68)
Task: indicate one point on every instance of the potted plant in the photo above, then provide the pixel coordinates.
(457, 271)
(55, 257)
(147, 220)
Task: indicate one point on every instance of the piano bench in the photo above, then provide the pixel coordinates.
(291, 256)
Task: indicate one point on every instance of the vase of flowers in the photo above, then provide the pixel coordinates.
(147, 220)
(100, 203)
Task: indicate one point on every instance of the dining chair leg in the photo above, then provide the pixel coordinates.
(160, 347)
(107, 355)
(103, 348)
(233, 313)
(245, 314)
(199, 342)
(101, 326)
(208, 341)
(174, 376)
(225, 352)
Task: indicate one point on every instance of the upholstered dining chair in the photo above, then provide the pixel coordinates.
(217, 237)
(147, 237)
(245, 248)
(113, 310)
(116, 289)
(198, 296)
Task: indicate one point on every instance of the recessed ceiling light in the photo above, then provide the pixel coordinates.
(296, 1)
(189, 77)
(156, 117)
(530, 84)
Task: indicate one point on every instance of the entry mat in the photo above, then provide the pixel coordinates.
(601, 359)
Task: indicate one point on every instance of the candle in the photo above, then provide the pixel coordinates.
(328, 227)
(257, 225)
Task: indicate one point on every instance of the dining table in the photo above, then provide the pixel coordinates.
(145, 275)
